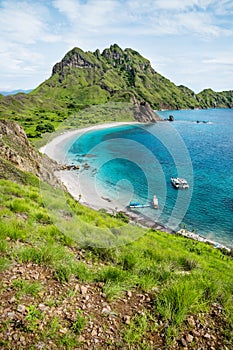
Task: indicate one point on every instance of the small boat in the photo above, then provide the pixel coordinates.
(155, 202)
(179, 183)
(138, 205)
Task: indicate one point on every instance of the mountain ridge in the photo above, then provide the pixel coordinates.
(84, 79)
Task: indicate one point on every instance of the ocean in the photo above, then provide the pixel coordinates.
(134, 162)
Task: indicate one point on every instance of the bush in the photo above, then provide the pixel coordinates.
(120, 215)
(47, 127)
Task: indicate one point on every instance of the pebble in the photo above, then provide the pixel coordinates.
(81, 338)
(126, 319)
(129, 294)
(94, 332)
(191, 322)
(183, 342)
(83, 290)
(63, 330)
(21, 308)
(42, 307)
(207, 336)
(189, 338)
(12, 300)
(196, 333)
(106, 311)
(77, 288)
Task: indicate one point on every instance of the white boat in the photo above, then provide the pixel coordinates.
(155, 202)
(138, 205)
(179, 183)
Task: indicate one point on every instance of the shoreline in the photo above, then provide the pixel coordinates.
(86, 192)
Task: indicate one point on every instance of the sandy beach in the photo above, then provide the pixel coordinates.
(84, 189)
(80, 186)
(55, 149)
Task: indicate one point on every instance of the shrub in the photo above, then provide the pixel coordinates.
(47, 127)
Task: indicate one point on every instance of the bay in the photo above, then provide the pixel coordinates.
(134, 162)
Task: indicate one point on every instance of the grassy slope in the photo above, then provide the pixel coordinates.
(183, 277)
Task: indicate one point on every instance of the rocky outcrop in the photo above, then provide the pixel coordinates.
(15, 147)
(17, 150)
(143, 113)
(75, 59)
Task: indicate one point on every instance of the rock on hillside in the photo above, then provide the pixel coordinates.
(17, 152)
(15, 147)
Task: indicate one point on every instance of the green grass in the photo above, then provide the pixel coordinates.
(4, 262)
(183, 276)
(80, 323)
(135, 332)
(24, 287)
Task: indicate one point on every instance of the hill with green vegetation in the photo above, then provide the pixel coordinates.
(151, 290)
(85, 79)
(59, 290)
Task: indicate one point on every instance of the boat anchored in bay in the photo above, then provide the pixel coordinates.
(179, 183)
(154, 203)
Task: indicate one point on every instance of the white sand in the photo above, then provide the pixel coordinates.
(77, 184)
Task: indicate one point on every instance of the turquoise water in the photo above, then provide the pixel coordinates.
(138, 161)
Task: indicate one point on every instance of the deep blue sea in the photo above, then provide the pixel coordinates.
(134, 162)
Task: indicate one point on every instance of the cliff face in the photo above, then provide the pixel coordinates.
(16, 152)
(74, 60)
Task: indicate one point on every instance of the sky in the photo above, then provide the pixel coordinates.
(190, 42)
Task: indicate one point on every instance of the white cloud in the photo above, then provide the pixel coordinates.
(36, 34)
(23, 22)
(134, 17)
(94, 13)
(223, 59)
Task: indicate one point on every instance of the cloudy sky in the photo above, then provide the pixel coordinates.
(187, 41)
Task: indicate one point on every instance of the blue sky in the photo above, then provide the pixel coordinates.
(187, 41)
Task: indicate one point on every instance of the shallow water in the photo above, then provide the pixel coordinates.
(135, 162)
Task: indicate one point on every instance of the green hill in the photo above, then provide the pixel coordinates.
(83, 79)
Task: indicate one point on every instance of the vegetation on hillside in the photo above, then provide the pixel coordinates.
(59, 290)
(179, 277)
(83, 79)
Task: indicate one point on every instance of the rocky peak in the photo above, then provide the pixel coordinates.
(128, 59)
(76, 58)
(114, 53)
